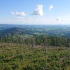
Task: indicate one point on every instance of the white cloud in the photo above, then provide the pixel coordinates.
(57, 18)
(12, 13)
(34, 21)
(20, 14)
(60, 19)
(4, 21)
(17, 17)
(51, 7)
(26, 21)
(38, 10)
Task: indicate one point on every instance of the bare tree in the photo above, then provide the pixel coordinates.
(15, 37)
(22, 42)
(44, 44)
(31, 42)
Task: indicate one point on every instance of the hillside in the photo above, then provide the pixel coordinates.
(11, 30)
(54, 30)
(26, 48)
(15, 57)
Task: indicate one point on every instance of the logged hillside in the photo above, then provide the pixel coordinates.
(18, 52)
(15, 57)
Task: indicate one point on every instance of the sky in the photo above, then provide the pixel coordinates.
(35, 12)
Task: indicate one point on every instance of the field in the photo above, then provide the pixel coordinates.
(17, 57)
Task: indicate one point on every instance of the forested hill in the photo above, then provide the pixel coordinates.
(11, 31)
(50, 30)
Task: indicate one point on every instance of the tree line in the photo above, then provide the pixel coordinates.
(36, 40)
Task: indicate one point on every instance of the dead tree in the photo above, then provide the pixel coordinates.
(22, 44)
(31, 42)
(44, 44)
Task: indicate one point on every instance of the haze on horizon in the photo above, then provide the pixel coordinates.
(35, 12)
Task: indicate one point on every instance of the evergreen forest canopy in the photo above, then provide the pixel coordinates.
(34, 48)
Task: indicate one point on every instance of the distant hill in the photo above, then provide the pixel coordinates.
(11, 30)
(50, 30)
(6, 26)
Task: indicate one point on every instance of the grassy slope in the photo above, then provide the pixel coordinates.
(12, 58)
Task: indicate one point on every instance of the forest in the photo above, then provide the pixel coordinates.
(18, 52)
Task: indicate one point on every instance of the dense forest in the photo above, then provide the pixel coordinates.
(18, 52)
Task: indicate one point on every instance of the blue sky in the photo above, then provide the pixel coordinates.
(35, 12)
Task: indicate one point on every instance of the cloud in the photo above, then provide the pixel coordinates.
(12, 13)
(60, 19)
(17, 17)
(38, 10)
(63, 19)
(57, 18)
(34, 21)
(18, 14)
(51, 7)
